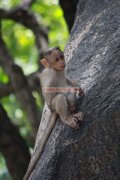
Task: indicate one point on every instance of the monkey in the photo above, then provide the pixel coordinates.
(60, 94)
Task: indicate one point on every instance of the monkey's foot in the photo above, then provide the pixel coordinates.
(78, 118)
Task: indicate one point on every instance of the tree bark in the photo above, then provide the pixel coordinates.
(93, 59)
(13, 147)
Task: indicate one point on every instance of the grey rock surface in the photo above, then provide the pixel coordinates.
(93, 59)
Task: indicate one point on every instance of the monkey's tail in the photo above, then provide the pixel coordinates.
(41, 145)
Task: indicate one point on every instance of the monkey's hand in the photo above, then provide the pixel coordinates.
(81, 92)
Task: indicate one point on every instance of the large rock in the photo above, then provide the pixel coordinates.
(93, 59)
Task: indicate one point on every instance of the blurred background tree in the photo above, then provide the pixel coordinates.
(27, 29)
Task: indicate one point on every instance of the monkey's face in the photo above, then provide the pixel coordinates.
(56, 60)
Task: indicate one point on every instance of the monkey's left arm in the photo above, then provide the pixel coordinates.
(71, 83)
(74, 84)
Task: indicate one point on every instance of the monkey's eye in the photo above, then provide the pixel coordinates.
(56, 59)
(62, 56)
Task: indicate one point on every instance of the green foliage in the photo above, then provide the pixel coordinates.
(9, 3)
(51, 15)
(21, 44)
(17, 115)
(3, 77)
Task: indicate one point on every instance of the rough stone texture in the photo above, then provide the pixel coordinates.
(93, 59)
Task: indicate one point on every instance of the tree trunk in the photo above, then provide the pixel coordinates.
(13, 147)
(69, 10)
(93, 59)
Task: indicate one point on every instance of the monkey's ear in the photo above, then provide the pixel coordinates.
(44, 62)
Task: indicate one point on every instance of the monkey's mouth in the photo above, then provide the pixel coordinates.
(63, 66)
(60, 68)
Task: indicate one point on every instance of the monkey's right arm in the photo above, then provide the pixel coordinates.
(41, 145)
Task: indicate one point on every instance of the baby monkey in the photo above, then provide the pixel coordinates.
(59, 92)
(61, 95)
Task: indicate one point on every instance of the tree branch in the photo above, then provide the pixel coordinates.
(13, 147)
(5, 89)
(21, 87)
(28, 19)
(69, 10)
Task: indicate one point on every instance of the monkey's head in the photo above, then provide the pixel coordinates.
(54, 58)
